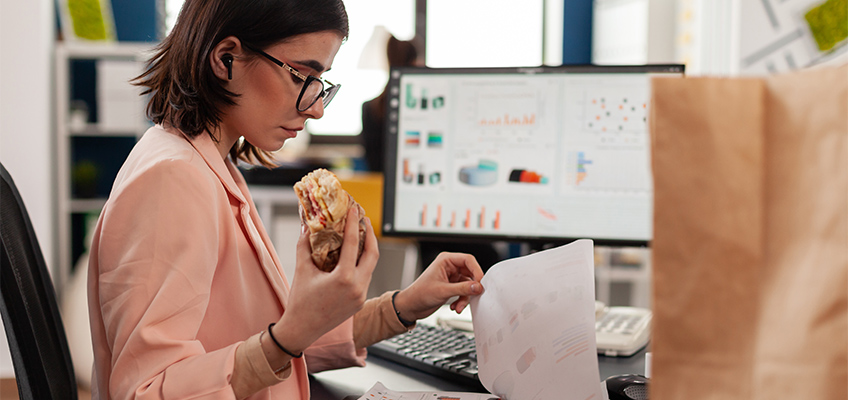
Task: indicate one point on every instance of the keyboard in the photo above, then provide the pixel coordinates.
(442, 352)
(622, 331)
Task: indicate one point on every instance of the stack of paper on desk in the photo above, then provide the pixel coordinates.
(380, 392)
(535, 329)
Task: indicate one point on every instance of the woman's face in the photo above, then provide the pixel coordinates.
(265, 113)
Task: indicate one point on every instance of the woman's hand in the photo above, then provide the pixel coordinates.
(450, 275)
(319, 301)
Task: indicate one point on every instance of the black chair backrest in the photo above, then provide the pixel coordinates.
(34, 329)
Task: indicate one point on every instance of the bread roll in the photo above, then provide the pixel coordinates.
(323, 208)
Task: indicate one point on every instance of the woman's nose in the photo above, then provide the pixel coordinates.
(316, 110)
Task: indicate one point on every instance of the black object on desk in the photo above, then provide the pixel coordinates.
(627, 387)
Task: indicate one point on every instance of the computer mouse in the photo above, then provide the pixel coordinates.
(627, 387)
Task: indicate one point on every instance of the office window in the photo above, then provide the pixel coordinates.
(360, 78)
(172, 10)
(484, 33)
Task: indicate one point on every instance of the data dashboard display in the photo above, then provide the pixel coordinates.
(549, 153)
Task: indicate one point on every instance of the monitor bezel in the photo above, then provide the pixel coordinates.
(391, 139)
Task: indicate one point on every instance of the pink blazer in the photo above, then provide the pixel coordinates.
(181, 273)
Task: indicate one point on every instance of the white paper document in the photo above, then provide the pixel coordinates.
(535, 326)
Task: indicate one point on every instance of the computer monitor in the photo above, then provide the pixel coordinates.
(540, 154)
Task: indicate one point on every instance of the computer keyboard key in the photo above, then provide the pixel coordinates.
(460, 351)
(393, 345)
(457, 368)
(470, 372)
(441, 355)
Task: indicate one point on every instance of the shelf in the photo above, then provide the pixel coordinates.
(622, 273)
(87, 205)
(94, 130)
(85, 50)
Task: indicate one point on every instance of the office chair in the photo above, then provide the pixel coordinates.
(28, 306)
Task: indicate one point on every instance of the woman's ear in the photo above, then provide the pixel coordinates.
(223, 57)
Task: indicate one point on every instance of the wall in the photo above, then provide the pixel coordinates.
(26, 43)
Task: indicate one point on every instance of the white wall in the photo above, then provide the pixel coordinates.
(26, 48)
(633, 32)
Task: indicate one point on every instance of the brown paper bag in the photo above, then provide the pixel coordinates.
(750, 248)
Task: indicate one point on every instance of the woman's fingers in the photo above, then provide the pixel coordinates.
(371, 251)
(304, 249)
(350, 245)
(460, 266)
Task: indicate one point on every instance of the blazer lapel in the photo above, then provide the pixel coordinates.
(234, 183)
(260, 239)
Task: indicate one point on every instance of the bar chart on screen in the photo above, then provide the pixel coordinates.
(512, 115)
(480, 218)
(610, 169)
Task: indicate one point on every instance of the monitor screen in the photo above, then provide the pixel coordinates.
(545, 154)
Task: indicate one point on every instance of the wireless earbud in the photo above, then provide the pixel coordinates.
(227, 59)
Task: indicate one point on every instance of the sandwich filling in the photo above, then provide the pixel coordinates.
(322, 199)
(317, 209)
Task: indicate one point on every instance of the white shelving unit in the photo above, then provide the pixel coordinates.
(610, 269)
(67, 205)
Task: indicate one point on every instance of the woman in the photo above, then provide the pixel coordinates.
(187, 298)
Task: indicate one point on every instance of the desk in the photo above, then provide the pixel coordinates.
(336, 385)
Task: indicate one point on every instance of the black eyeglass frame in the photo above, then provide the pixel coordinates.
(328, 89)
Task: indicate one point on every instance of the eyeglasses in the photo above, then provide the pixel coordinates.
(313, 86)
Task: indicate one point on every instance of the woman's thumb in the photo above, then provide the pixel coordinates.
(473, 288)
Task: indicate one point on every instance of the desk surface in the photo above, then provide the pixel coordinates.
(338, 384)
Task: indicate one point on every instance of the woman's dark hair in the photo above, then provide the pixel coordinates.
(184, 91)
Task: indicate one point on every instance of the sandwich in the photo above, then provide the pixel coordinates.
(323, 209)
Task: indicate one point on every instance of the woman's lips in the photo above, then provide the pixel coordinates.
(292, 133)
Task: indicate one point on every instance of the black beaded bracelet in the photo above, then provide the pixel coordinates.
(405, 323)
(271, 334)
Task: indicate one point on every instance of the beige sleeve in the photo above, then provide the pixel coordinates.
(376, 321)
(252, 372)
